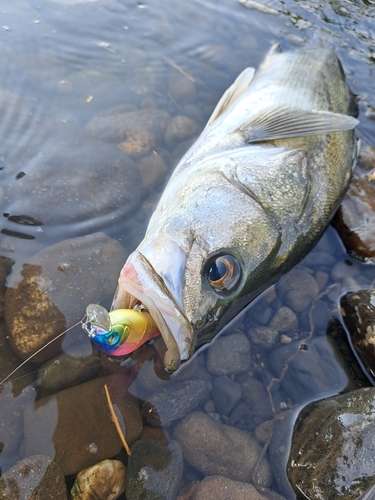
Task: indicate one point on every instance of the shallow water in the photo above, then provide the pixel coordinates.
(65, 62)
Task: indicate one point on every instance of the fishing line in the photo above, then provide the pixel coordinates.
(81, 321)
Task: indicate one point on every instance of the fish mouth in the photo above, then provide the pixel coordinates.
(140, 284)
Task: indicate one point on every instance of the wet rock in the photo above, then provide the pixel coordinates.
(175, 401)
(56, 286)
(284, 320)
(138, 142)
(181, 88)
(337, 459)
(75, 426)
(103, 481)
(76, 179)
(154, 470)
(358, 312)
(229, 354)
(313, 369)
(218, 449)
(263, 336)
(116, 128)
(226, 393)
(255, 396)
(153, 170)
(79, 364)
(355, 219)
(180, 129)
(34, 478)
(223, 488)
(298, 289)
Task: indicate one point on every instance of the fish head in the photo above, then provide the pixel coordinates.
(209, 249)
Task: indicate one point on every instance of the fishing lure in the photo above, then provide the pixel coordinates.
(120, 332)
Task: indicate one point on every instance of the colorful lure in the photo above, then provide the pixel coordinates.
(120, 332)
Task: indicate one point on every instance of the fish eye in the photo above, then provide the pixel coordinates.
(222, 272)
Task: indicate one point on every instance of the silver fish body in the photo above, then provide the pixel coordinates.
(248, 200)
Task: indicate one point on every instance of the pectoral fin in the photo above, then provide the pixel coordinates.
(284, 123)
(237, 88)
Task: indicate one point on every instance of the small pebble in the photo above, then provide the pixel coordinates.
(105, 480)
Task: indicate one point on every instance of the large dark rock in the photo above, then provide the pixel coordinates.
(175, 401)
(75, 427)
(332, 451)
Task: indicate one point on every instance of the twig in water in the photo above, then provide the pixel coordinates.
(116, 422)
(179, 69)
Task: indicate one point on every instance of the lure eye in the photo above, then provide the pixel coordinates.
(111, 339)
(222, 272)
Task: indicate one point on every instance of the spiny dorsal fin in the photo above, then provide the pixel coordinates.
(285, 122)
(237, 88)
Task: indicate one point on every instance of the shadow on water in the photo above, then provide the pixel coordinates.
(80, 83)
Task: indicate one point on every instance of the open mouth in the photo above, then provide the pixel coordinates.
(141, 286)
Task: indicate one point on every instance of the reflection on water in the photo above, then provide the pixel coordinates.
(99, 100)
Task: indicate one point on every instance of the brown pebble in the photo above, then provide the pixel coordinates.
(138, 142)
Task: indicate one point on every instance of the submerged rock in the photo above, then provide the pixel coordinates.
(11, 422)
(180, 129)
(310, 369)
(298, 289)
(154, 470)
(55, 287)
(358, 312)
(332, 451)
(226, 394)
(69, 368)
(67, 178)
(75, 426)
(117, 127)
(222, 488)
(229, 354)
(105, 480)
(175, 401)
(34, 478)
(214, 448)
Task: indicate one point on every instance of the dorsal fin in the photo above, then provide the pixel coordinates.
(237, 88)
(284, 122)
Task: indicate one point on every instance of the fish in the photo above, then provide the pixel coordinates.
(248, 200)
